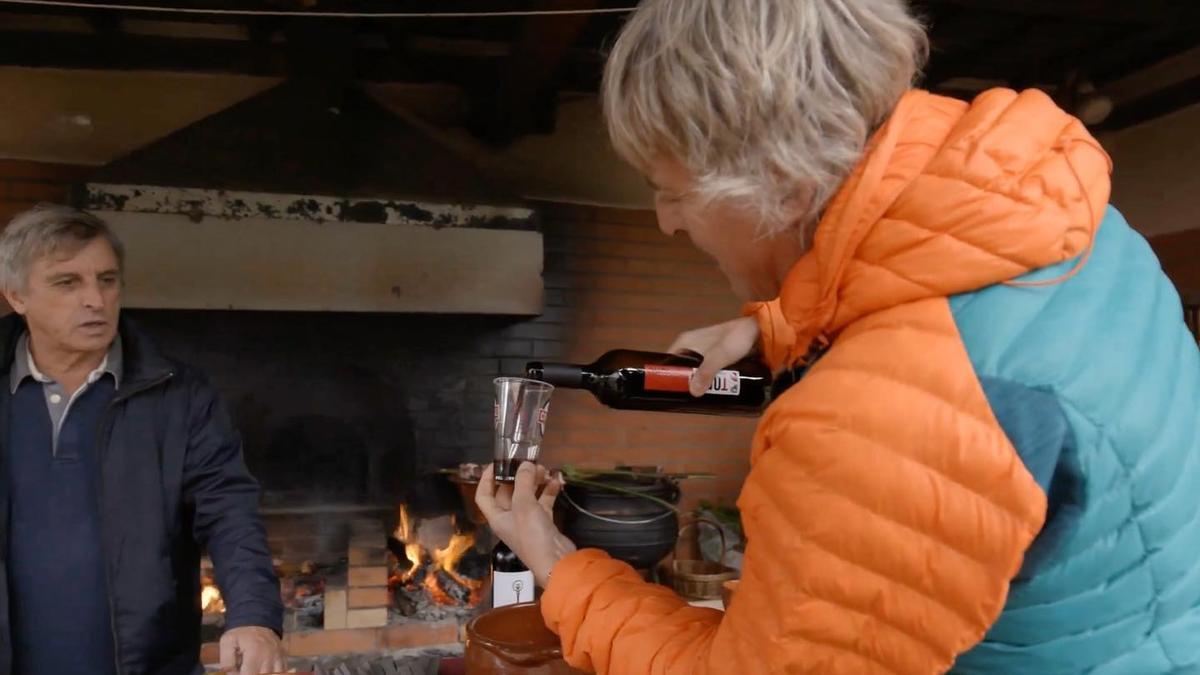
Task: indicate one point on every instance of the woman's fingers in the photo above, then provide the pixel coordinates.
(524, 491)
(485, 494)
(550, 494)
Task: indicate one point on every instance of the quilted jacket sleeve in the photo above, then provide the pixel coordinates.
(886, 513)
(778, 341)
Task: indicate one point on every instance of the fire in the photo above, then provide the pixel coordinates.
(210, 599)
(414, 553)
(406, 533)
(446, 560)
(442, 560)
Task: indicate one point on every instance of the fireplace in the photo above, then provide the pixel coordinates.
(351, 286)
(347, 420)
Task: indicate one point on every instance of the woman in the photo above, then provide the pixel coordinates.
(990, 464)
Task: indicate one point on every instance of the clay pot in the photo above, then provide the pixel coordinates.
(514, 639)
(466, 490)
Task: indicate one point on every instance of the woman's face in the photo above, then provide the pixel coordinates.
(755, 265)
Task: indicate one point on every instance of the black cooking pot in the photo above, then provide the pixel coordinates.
(627, 526)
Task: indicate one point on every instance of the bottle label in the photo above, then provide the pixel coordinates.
(511, 588)
(676, 378)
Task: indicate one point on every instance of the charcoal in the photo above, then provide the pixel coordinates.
(404, 602)
(460, 593)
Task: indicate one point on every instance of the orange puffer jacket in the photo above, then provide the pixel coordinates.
(886, 510)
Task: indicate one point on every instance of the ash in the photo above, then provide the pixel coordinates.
(414, 604)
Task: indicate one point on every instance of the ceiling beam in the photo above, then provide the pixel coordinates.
(1145, 12)
(1166, 73)
(1162, 102)
(137, 52)
(523, 96)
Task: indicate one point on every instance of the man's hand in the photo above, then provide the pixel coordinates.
(719, 345)
(251, 650)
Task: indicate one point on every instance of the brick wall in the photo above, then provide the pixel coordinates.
(612, 280)
(23, 184)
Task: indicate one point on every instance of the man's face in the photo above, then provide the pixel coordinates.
(72, 298)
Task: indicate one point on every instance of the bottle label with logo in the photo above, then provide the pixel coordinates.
(676, 378)
(511, 588)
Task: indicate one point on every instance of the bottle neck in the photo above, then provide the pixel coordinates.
(566, 375)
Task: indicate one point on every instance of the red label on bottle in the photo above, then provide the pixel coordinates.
(668, 378)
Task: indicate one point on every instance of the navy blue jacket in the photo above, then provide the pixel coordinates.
(171, 483)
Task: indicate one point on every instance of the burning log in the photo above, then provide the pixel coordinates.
(404, 602)
(457, 592)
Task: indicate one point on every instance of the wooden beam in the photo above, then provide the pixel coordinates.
(65, 50)
(1162, 102)
(1139, 49)
(523, 97)
(1166, 73)
(1146, 12)
(427, 59)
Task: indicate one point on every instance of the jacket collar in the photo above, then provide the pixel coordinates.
(141, 362)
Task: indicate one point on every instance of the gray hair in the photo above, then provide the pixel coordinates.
(44, 230)
(767, 102)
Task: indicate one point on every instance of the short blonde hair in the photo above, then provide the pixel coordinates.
(766, 101)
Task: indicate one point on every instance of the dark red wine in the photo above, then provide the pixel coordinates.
(505, 470)
(633, 380)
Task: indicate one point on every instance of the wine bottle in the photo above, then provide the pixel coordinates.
(633, 380)
(512, 582)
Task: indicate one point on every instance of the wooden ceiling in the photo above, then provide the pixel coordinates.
(1144, 56)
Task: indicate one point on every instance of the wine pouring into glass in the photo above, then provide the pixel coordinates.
(521, 409)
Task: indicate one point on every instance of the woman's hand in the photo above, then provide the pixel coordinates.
(524, 519)
(719, 345)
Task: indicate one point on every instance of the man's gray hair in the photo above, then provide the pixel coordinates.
(767, 102)
(47, 229)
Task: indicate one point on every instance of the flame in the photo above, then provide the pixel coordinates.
(210, 599)
(414, 553)
(404, 530)
(446, 559)
(412, 550)
(443, 559)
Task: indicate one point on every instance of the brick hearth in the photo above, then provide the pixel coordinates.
(360, 640)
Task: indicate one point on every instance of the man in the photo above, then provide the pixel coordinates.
(119, 466)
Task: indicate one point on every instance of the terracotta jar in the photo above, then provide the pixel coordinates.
(514, 639)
